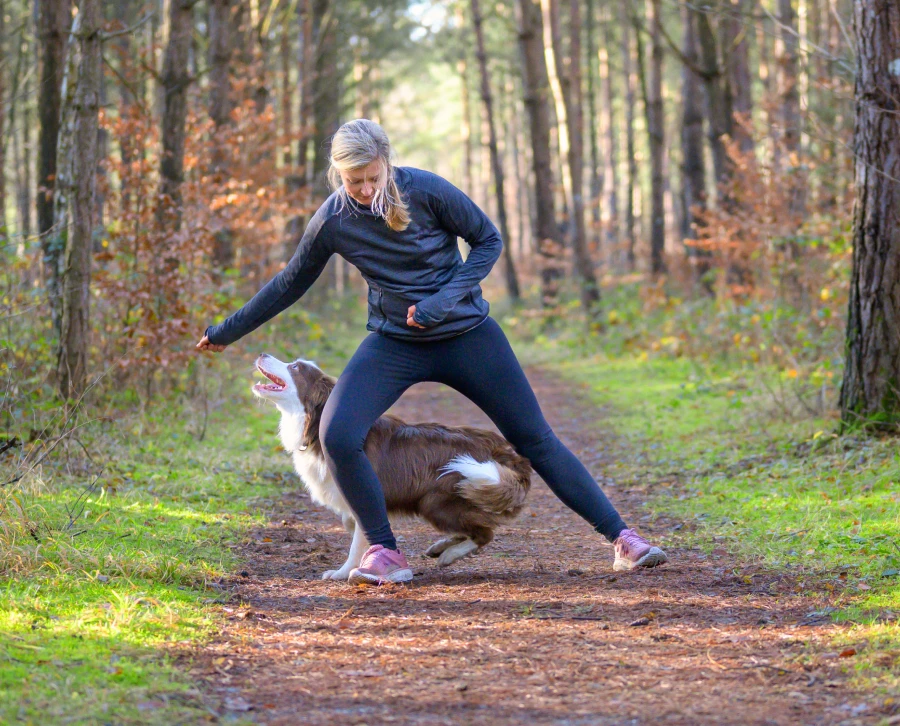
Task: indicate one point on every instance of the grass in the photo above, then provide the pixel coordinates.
(733, 452)
(109, 564)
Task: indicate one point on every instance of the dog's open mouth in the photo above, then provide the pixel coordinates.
(275, 386)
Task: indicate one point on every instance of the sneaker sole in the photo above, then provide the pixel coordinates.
(653, 558)
(362, 578)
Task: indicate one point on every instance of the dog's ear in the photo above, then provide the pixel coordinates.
(315, 401)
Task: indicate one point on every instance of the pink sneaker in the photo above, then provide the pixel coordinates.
(380, 565)
(632, 551)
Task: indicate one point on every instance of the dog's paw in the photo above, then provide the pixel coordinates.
(341, 574)
(456, 552)
(444, 544)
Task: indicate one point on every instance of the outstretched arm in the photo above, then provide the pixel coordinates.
(281, 291)
(459, 214)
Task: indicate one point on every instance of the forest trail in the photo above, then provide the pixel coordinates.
(537, 629)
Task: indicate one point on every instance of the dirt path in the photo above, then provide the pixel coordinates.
(535, 630)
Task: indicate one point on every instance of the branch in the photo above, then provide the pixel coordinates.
(126, 31)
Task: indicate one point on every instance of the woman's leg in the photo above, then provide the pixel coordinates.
(377, 374)
(481, 365)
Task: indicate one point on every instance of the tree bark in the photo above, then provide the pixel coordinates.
(54, 19)
(789, 92)
(221, 104)
(738, 62)
(612, 173)
(656, 134)
(536, 96)
(631, 176)
(175, 81)
(326, 97)
(595, 200)
(512, 282)
(568, 67)
(4, 232)
(72, 359)
(693, 177)
(870, 392)
(717, 96)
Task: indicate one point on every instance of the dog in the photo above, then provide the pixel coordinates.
(464, 481)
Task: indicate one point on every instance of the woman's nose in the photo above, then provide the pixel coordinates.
(368, 190)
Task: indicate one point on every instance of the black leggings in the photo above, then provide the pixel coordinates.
(481, 365)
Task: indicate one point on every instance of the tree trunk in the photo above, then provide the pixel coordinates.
(693, 177)
(717, 95)
(4, 232)
(325, 91)
(54, 19)
(738, 61)
(789, 92)
(74, 338)
(569, 69)
(221, 104)
(175, 81)
(870, 393)
(512, 282)
(287, 90)
(465, 130)
(307, 73)
(631, 177)
(537, 98)
(595, 201)
(656, 134)
(611, 176)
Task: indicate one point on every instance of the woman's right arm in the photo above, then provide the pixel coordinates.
(281, 291)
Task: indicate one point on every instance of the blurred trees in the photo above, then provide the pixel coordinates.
(667, 144)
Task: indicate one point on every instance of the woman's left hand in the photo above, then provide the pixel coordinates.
(410, 321)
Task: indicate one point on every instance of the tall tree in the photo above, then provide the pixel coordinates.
(3, 229)
(631, 159)
(656, 133)
(568, 66)
(54, 19)
(737, 58)
(693, 181)
(175, 81)
(221, 103)
(789, 92)
(612, 174)
(512, 282)
(72, 358)
(870, 392)
(597, 180)
(537, 98)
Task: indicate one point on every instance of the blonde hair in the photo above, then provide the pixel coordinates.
(357, 144)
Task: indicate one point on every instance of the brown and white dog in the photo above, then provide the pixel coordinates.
(464, 481)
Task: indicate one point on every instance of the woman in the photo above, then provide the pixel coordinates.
(429, 322)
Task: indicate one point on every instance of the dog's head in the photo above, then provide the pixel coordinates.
(299, 390)
(295, 388)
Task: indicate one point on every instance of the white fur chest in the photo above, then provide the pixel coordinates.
(311, 466)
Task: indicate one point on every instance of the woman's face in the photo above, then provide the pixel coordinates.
(361, 183)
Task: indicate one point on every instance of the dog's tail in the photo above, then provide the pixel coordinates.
(488, 485)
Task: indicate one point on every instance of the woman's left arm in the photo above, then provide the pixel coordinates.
(460, 215)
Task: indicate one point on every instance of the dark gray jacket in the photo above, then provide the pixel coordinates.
(420, 266)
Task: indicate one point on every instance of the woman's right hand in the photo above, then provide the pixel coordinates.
(204, 344)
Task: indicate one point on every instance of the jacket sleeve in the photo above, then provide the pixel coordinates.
(284, 289)
(460, 215)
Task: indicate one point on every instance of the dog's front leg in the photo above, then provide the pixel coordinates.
(358, 548)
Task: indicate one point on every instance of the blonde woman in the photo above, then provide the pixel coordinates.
(429, 322)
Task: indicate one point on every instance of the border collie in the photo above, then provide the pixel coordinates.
(464, 481)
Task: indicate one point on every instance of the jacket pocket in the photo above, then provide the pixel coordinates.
(377, 317)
